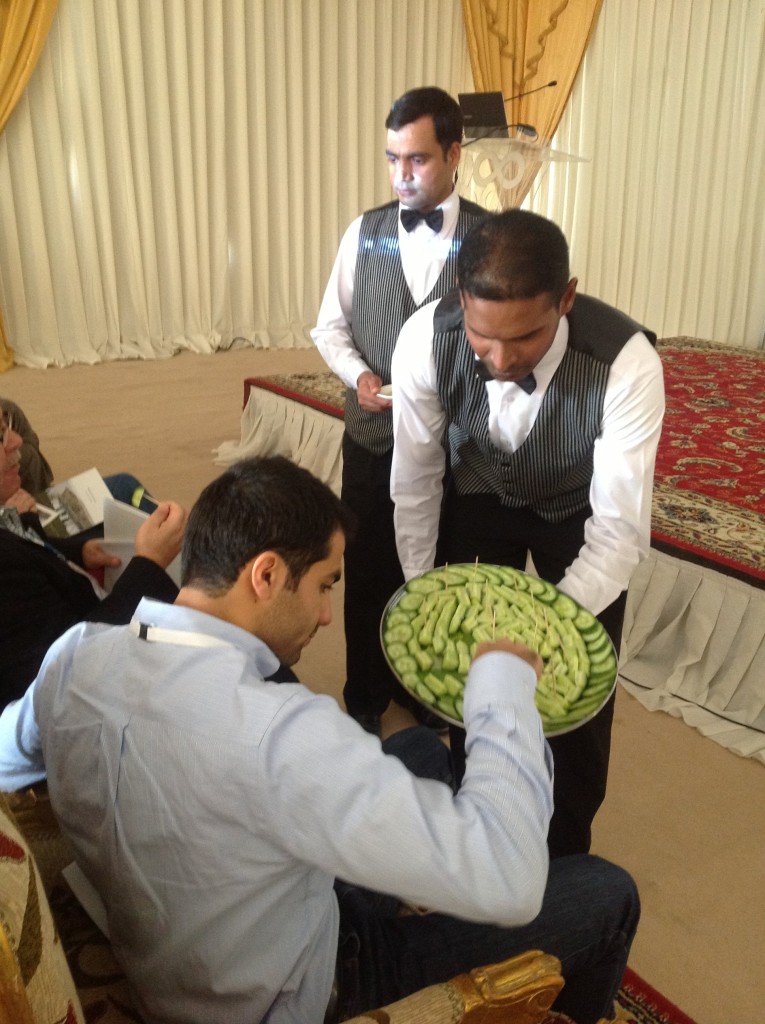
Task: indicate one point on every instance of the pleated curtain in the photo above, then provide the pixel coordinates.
(24, 26)
(666, 215)
(177, 174)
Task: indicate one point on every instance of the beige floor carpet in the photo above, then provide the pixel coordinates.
(684, 815)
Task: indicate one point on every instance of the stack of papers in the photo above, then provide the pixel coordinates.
(121, 523)
(75, 505)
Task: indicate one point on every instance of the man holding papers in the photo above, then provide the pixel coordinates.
(47, 586)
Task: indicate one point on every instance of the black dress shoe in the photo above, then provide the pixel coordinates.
(370, 723)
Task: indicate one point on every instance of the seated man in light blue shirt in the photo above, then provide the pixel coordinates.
(213, 810)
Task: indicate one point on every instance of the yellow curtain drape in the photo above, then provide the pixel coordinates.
(24, 26)
(519, 45)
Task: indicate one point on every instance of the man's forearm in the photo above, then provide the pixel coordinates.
(416, 488)
(340, 354)
(481, 854)
(419, 458)
(142, 577)
(601, 571)
(21, 762)
(416, 519)
(617, 534)
(332, 334)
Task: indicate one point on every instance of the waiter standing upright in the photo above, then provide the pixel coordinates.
(391, 261)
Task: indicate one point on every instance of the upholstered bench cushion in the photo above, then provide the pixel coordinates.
(31, 936)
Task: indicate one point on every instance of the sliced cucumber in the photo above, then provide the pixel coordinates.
(430, 634)
(405, 664)
(424, 693)
(565, 606)
(446, 705)
(423, 585)
(549, 594)
(585, 620)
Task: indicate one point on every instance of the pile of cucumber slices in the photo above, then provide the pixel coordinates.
(432, 626)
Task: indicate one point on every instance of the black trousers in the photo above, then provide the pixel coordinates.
(372, 574)
(478, 526)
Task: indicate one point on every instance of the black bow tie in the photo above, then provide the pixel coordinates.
(528, 383)
(411, 218)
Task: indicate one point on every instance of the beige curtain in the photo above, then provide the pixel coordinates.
(177, 174)
(24, 27)
(520, 45)
(666, 216)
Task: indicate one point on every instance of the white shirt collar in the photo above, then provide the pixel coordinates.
(547, 365)
(550, 361)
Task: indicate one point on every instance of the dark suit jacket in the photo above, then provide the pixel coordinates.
(41, 597)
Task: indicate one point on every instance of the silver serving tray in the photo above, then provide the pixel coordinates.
(549, 732)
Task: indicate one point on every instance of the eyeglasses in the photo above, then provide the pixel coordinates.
(6, 427)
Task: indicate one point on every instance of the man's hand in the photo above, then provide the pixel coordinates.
(161, 536)
(523, 652)
(367, 387)
(94, 556)
(22, 501)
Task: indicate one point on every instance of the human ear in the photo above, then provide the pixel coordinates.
(568, 297)
(267, 574)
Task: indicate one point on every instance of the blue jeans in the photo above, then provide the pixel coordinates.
(588, 920)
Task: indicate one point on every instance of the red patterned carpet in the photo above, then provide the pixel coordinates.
(709, 495)
(639, 1003)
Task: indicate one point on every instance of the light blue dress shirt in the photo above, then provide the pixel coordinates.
(213, 810)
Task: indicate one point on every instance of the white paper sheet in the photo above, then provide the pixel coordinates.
(121, 523)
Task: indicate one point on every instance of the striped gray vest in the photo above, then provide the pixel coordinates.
(382, 303)
(551, 471)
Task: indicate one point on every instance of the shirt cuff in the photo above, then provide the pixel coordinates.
(499, 678)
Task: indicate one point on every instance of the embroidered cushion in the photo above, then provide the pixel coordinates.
(31, 935)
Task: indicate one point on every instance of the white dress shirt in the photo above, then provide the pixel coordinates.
(616, 536)
(423, 254)
(212, 811)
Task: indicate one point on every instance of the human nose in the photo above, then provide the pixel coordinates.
(325, 612)
(405, 170)
(11, 440)
(502, 358)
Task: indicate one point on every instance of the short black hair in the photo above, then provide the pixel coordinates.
(259, 504)
(429, 101)
(513, 255)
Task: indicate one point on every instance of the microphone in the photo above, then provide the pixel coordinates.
(525, 129)
(529, 91)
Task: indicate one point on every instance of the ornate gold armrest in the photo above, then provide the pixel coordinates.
(516, 991)
(520, 990)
